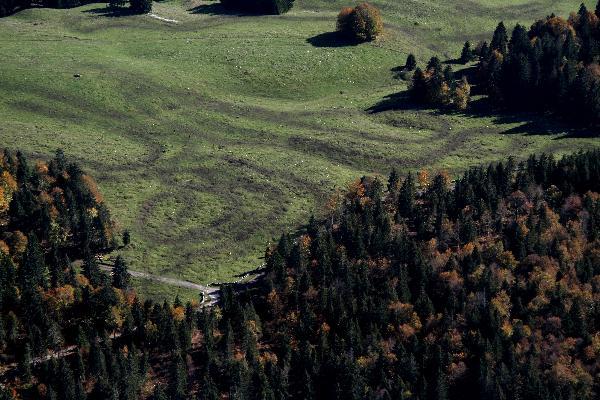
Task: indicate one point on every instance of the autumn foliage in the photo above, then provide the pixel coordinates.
(552, 66)
(362, 22)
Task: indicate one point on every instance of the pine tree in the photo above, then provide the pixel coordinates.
(466, 54)
(120, 276)
(434, 65)
(484, 51)
(33, 272)
(126, 238)
(25, 363)
(91, 270)
(159, 393)
(406, 197)
(178, 382)
(418, 88)
(500, 39)
(393, 182)
(411, 63)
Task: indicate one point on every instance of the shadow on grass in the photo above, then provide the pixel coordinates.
(218, 9)
(331, 39)
(396, 101)
(111, 12)
(530, 123)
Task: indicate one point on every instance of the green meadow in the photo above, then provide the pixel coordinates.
(212, 135)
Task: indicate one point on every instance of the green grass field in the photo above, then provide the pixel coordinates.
(212, 135)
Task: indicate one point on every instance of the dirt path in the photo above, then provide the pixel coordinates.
(211, 293)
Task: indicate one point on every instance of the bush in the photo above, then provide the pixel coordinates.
(140, 7)
(361, 23)
(259, 6)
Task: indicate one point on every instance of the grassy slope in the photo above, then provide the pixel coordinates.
(211, 136)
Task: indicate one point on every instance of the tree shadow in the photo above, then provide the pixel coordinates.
(218, 9)
(111, 12)
(529, 123)
(331, 39)
(395, 101)
(453, 61)
(401, 72)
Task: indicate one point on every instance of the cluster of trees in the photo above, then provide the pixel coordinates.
(437, 85)
(551, 66)
(67, 331)
(361, 23)
(488, 287)
(274, 7)
(485, 287)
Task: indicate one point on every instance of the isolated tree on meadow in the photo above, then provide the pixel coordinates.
(362, 22)
(411, 63)
(126, 238)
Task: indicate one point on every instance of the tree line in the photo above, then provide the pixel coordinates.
(552, 66)
(414, 287)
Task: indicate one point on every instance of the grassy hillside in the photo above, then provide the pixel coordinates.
(212, 135)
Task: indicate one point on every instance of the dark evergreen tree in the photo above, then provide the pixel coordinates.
(411, 63)
(120, 276)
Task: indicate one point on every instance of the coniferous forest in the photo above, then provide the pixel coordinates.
(414, 287)
(552, 66)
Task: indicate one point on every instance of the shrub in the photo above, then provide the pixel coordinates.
(367, 23)
(362, 22)
(140, 7)
(259, 6)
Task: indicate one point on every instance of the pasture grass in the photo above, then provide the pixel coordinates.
(212, 136)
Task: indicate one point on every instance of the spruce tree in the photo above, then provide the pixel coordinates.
(500, 39)
(411, 62)
(406, 197)
(120, 276)
(466, 54)
(25, 363)
(178, 381)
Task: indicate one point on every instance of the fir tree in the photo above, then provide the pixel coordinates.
(120, 276)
